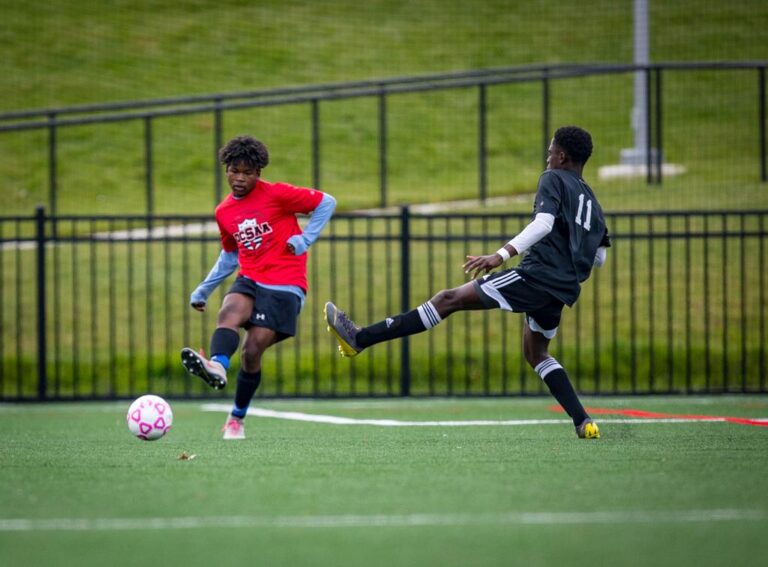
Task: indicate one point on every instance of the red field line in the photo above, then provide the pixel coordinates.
(642, 414)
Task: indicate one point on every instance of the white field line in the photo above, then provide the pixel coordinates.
(336, 420)
(384, 520)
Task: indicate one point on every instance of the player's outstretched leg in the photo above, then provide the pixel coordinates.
(342, 327)
(213, 373)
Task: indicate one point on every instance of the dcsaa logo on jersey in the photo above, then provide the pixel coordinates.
(250, 233)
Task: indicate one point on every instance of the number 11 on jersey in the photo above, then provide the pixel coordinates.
(586, 223)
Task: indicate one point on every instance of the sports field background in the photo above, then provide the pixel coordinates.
(80, 490)
(73, 53)
(77, 489)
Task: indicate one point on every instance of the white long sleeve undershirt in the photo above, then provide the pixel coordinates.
(537, 229)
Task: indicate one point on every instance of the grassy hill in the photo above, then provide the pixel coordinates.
(65, 53)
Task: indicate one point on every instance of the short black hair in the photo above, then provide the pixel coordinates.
(244, 149)
(576, 142)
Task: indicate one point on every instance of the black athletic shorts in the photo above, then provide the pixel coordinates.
(276, 310)
(508, 290)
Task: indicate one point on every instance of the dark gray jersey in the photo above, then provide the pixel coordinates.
(560, 261)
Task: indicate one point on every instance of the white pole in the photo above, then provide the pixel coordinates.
(641, 58)
(637, 154)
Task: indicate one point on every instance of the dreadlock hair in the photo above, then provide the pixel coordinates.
(576, 142)
(244, 149)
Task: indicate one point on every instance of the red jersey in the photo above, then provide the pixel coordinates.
(259, 225)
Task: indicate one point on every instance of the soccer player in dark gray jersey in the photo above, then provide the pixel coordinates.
(566, 237)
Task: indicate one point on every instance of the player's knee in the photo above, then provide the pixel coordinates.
(229, 316)
(251, 357)
(446, 302)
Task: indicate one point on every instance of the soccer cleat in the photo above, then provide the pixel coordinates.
(341, 327)
(588, 430)
(212, 372)
(234, 428)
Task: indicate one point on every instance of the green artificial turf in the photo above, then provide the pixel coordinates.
(78, 489)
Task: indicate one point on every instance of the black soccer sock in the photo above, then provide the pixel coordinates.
(224, 343)
(557, 381)
(415, 321)
(247, 384)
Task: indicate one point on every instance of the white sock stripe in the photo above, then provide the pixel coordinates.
(547, 366)
(428, 314)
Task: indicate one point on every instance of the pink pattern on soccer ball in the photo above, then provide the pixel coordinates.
(149, 417)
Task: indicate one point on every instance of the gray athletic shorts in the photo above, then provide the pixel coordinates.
(272, 309)
(509, 291)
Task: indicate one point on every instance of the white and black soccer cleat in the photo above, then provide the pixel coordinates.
(212, 372)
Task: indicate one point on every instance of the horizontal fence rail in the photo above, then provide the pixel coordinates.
(153, 112)
(96, 307)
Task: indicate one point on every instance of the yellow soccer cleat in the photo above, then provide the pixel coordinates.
(588, 430)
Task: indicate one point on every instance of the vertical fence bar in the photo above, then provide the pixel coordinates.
(596, 330)
(370, 283)
(761, 301)
(724, 273)
(614, 310)
(481, 143)
(3, 329)
(19, 313)
(382, 148)
(658, 133)
(315, 119)
(743, 295)
(670, 318)
(761, 122)
(130, 276)
(42, 278)
(218, 142)
(167, 301)
(405, 297)
(333, 241)
(486, 326)
(150, 311)
(649, 136)
(450, 322)
(389, 261)
(314, 273)
(688, 352)
(56, 282)
(351, 281)
(94, 302)
(651, 315)
(705, 276)
(112, 310)
(632, 307)
(430, 288)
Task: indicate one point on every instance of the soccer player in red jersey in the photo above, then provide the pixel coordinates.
(261, 235)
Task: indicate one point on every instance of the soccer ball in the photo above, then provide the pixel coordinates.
(149, 417)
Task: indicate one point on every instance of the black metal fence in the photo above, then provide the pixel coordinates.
(97, 308)
(663, 115)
